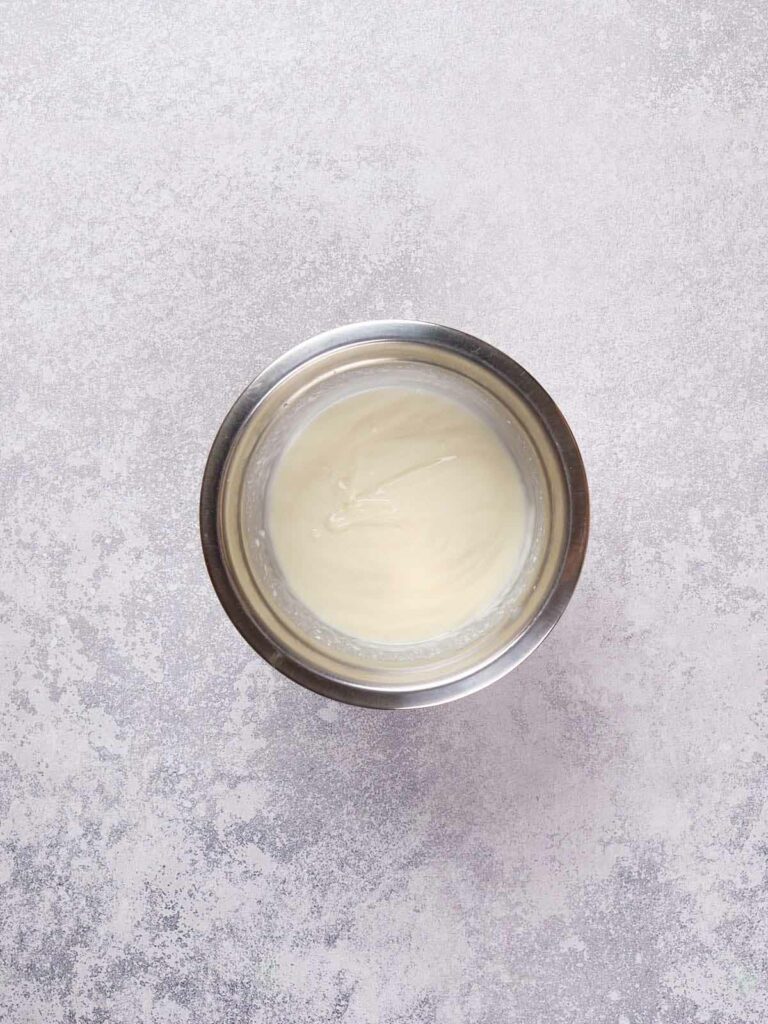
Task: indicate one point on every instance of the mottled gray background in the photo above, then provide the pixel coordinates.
(187, 190)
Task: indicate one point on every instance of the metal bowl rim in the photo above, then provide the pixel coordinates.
(513, 375)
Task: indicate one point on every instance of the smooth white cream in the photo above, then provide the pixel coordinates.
(397, 515)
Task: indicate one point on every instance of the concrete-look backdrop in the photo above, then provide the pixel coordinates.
(190, 188)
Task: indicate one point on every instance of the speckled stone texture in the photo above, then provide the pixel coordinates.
(187, 190)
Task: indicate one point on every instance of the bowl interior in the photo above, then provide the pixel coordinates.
(285, 408)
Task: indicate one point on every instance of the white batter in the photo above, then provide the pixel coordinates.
(397, 515)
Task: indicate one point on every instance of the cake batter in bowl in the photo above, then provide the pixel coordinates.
(394, 514)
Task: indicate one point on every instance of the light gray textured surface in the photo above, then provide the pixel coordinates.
(187, 190)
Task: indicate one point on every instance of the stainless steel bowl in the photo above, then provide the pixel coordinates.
(236, 541)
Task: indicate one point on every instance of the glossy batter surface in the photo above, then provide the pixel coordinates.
(397, 515)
